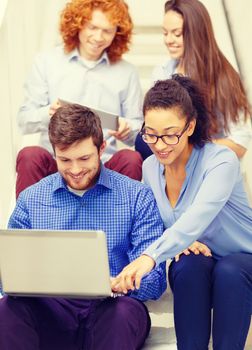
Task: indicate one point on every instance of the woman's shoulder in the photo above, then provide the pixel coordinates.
(164, 70)
(151, 166)
(150, 161)
(214, 154)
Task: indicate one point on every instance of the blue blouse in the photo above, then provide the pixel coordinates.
(212, 206)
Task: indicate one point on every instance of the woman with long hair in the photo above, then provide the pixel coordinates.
(193, 50)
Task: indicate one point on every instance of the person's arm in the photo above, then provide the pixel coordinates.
(131, 105)
(238, 149)
(33, 115)
(20, 217)
(214, 192)
(238, 137)
(147, 226)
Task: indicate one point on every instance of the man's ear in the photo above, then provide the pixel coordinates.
(102, 148)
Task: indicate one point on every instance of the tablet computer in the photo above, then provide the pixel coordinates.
(108, 120)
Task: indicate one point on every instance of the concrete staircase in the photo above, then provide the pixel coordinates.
(147, 51)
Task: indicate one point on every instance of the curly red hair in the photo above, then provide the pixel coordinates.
(78, 12)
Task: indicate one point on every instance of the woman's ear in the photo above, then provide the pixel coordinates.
(191, 127)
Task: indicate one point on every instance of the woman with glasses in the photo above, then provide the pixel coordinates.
(199, 191)
(189, 37)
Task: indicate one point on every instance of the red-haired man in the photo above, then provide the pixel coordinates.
(88, 69)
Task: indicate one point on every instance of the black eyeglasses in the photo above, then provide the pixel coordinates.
(167, 139)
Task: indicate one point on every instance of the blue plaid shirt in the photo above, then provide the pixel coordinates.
(125, 209)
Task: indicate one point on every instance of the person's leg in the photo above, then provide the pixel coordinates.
(142, 147)
(126, 162)
(17, 326)
(232, 301)
(118, 323)
(190, 280)
(33, 164)
(40, 324)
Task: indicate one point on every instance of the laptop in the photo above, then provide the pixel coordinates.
(108, 120)
(72, 264)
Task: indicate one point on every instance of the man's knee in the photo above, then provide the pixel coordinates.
(126, 311)
(130, 156)
(31, 155)
(126, 162)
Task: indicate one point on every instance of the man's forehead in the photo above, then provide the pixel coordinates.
(81, 146)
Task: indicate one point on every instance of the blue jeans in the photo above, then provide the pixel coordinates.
(200, 284)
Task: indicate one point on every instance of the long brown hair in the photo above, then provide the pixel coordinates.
(204, 62)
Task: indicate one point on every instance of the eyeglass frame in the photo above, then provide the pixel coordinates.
(142, 133)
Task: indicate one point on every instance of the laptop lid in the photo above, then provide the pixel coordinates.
(54, 263)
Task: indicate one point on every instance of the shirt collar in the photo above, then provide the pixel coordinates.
(103, 180)
(74, 54)
(58, 183)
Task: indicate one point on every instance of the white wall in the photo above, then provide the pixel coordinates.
(240, 17)
(28, 26)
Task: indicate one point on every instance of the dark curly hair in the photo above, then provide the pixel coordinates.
(73, 122)
(183, 93)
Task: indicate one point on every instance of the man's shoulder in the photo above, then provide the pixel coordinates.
(43, 187)
(123, 182)
(53, 54)
(124, 65)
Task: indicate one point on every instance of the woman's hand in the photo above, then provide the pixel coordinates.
(131, 276)
(197, 248)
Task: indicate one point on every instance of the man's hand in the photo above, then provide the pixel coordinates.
(53, 108)
(131, 276)
(197, 248)
(112, 283)
(123, 131)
